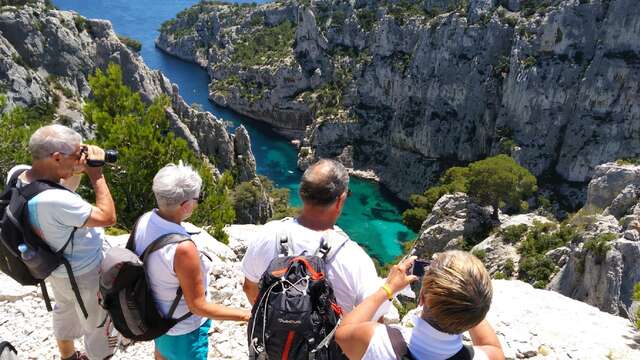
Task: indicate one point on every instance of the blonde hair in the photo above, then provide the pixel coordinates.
(456, 291)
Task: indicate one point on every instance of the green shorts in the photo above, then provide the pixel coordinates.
(191, 346)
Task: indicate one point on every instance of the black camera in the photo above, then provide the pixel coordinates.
(110, 156)
(419, 267)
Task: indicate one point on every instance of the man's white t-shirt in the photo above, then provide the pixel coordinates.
(53, 214)
(423, 342)
(163, 280)
(350, 270)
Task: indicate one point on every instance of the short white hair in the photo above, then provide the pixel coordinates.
(175, 184)
(53, 138)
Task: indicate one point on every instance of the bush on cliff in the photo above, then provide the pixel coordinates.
(534, 266)
(131, 43)
(497, 181)
(265, 46)
(16, 127)
(141, 133)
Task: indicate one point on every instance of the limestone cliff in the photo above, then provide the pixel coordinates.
(406, 89)
(48, 54)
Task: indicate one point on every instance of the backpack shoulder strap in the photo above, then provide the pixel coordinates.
(466, 353)
(157, 244)
(398, 343)
(284, 241)
(7, 345)
(131, 243)
(162, 241)
(13, 179)
(30, 190)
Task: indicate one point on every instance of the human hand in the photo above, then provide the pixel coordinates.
(398, 278)
(246, 316)
(91, 152)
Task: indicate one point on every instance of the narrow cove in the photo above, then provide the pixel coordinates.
(372, 216)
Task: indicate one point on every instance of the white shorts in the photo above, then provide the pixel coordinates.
(69, 322)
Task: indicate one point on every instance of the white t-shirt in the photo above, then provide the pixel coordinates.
(163, 280)
(351, 271)
(53, 214)
(423, 341)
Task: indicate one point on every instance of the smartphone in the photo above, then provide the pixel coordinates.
(419, 267)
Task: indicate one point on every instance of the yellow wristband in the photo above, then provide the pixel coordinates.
(387, 289)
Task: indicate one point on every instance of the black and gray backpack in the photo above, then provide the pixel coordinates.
(15, 230)
(7, 351)
(296, 314)
(125, 292)
(402, 352)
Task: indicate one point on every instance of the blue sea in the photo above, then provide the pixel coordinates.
(372, 217)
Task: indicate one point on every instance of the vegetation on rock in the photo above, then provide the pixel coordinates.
(265, 45)
(535, 267)
(131, 43)
(123, 122)
(16, 127)
(497, 181)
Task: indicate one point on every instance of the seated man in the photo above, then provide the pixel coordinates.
(57, 153)
(456, 295)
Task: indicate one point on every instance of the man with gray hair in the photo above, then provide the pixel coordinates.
(324, 189)
(61, 217)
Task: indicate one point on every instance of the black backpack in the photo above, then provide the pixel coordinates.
(15, 229)
(125, 292)
(296, 314)
(7, 351)
(402, 351)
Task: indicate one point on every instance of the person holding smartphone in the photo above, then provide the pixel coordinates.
(456, 295)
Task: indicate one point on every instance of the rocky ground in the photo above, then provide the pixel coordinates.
(531, 323)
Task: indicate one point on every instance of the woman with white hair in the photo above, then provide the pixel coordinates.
(177, 190)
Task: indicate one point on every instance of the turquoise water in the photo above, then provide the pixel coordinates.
(371, 216)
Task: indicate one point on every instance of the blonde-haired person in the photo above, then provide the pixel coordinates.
(177, 190)
(456, 296)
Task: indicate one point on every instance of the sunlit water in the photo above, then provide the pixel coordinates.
(371, 217)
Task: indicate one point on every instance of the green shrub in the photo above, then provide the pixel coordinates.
(413, 218)
(534, 267)
(367, 18)
(499, 179)
(600, 245)
(499, 275)
(513, 233)
(628, 161)
(480, 254)
(132, 44)
(141, 133)
(508, 268)
(529, 62)
(80, 23)
(265, 46)
(16, 127)
(494, 181)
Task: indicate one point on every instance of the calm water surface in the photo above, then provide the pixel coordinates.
(371, 216)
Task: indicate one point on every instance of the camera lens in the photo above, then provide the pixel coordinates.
(110, 156)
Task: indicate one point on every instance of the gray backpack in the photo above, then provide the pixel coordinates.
(125, 293)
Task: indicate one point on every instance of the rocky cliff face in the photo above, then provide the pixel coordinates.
(591, 256)
(410, 88)
(48, 54)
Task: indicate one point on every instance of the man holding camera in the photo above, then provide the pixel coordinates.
(56, 215)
